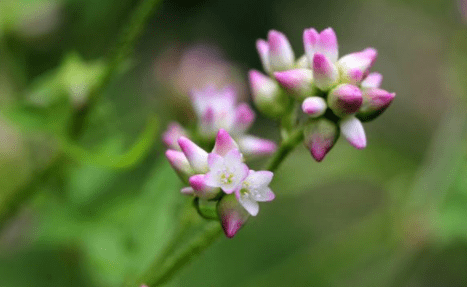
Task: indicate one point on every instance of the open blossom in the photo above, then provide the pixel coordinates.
(218, 109)
(217, 175)
(337, 94)
(255, 188)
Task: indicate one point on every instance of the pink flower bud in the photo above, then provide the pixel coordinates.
(231, 214)
(201, 189)
(345, 100)
(314, 106)
(298, 82)
(320, 136)
(187, 190)
(373, 80)
(244, 118)
(281, 55)
(375, 102)
(179, 163)
(172, 134)
(352, 130)
(324, 43)
(196, 156)
(224, 143)
(255, 147)
(267, 94)
(325, 73)
(263, 50)
(355, 67)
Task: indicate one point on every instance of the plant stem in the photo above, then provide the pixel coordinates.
(10, 205)
(123, 49)
(165, 267)
(284, 149)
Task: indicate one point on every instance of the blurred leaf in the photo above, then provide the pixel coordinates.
(124, 236)
(136, 153)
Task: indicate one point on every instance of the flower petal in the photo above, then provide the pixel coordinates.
(197, 157)
(260, 178)
(264, 195)
(281, 55)
(254, 147)
(249, 204)
(325, 73)
(373, 80)
(263, 50)
(224, 143)
(327, 44)
(353, 131)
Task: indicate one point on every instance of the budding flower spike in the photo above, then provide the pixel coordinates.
(336, 94)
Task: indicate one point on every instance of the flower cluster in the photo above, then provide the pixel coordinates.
(336, 95)
(218, 109)
(222, 177)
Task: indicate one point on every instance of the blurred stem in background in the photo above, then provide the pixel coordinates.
(10, 205)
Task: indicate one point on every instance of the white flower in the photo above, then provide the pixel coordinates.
(255, 188)
(226, 172)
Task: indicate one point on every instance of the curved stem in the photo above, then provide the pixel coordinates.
(123, 49)
(284, 149)
(10, 205)
(163, 269)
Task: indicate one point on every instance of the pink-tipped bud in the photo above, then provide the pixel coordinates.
(281, 55)
(231, 214)
(373, 80)
(320, 136)
(267, 94)
(252, 146)
(179, 163)
(201, 189)
(244, 118)
(224, 143)
(352, 130)
(345, 100)
(375, 102)
(187, 191)
(298, 82)
(172, 134)
(355, 67)
(325, 73)
(263, 50)
(324, 43)
(314, 106)
(196, 156)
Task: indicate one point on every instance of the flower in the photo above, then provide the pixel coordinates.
(336, 94)
(218, 109)
(219, 174)
(255, 188)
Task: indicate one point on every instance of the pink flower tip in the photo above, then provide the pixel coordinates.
(224, 143)
(314, 106)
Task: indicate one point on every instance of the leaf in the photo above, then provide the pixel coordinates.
(136, 153)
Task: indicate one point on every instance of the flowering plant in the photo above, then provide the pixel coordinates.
(335, 95)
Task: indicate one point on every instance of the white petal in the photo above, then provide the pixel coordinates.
(264, 194)
(249, 204)
(260, 178)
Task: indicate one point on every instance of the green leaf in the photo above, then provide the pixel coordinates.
(135, 154)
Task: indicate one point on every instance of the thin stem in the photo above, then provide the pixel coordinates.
(10, 205)
(123, 49)
(284, 149)
(163, 270)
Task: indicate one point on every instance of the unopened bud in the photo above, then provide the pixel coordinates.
(267, 95)
(320, 136)
(375, 102)
(231, 214)
(298, 82)
(345, 100)
(352, 130)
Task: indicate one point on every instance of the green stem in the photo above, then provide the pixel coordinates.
(10, 205)
(165, 267)
(124, 47)
(284, 149)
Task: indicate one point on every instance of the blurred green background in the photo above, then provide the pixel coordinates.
(394, 214)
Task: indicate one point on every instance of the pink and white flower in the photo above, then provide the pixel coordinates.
(254, 189)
